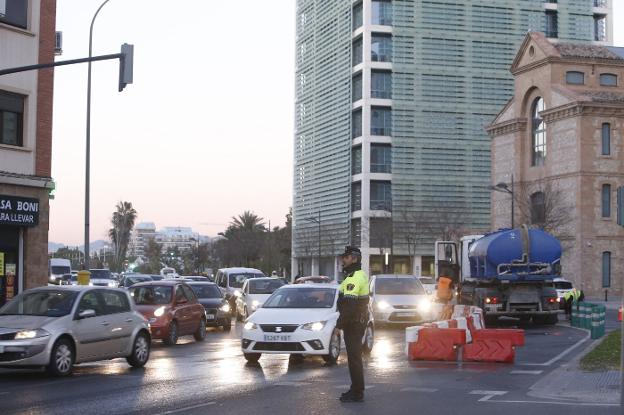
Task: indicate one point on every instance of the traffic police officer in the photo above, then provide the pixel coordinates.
(353, 308)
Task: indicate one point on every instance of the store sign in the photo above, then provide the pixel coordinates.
(20, 211)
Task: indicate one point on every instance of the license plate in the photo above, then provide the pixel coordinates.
(405, 314)
(276, 337)
(210, 316)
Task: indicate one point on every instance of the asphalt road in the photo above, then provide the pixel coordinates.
(213, 377)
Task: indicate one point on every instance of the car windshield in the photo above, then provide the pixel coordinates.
(237, 280)
(134, 280)
(264, 286)
(398, 286)
(56, 270)
(48, 303)
(302, 298)
(563, 285)
(427, 280)
(151, 295)
(206, 291)
(157, 277)
(103, 274)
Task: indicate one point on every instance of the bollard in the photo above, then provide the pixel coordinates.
(84, 277)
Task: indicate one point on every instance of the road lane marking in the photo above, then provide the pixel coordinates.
(552, 403)
(293, 383)
(424, 390)
(349, 386)
(562, 354)
(487, 395)
(526, 372)
(188, 408)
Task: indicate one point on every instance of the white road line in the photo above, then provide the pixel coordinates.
(289, 383)
(553, 403)
(188, 408)
(424, 390)
(560, 355)
(487, 395)
(526, 372)
(348, 386)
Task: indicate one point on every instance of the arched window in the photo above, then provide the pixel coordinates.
(606, 139)
(538, 208)
(538, 133)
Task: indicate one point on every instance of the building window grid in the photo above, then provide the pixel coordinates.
(356, 160)
(606, 269)
(358, 51)
(356, 123)
(600, 28)
(381, 84)
(381, 48)
(538, 132)
(382, 12)
(11, 118)
(606, 139)
(357, 87)
(381, 195)
(381, 158)
(14, 13)
(575, 78)
(551, 22)
(381, 121)
(608, 79)
(606, 200)
(358, 16)
(356, 196)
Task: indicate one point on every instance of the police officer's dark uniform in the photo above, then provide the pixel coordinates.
(353, 308)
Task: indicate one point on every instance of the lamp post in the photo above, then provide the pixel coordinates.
(502, 187)
(88, 141)
(317, 221)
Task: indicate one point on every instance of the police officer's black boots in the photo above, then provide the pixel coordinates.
(351, 396)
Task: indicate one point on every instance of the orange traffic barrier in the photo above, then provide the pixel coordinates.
(493, 345)
(620, 312)
(437, 344)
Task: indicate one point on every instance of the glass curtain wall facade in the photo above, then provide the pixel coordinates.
(407, 87)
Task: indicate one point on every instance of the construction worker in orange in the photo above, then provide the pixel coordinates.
(444, 294)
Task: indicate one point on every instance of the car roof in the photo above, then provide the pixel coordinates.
(241, 269)
(395, 276)
(308, 286)
(191, 282)
(74, 288)
(170, 282)
(265, 279)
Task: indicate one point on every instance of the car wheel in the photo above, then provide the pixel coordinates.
(140, 351)
(369, 339)
(334, 349)
(172, 338)
(252, 357)
(200, 333)
(227, 326)
(61, 358)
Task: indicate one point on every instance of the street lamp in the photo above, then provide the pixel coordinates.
(502, 187)
(318, 221)
(88, 144)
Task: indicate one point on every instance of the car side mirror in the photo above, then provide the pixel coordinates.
(86, 314)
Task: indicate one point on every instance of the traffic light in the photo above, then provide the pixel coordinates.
(126, 62)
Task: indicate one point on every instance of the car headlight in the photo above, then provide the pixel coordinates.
(250, 326)
(112, 284)
(159, 311)
(424, 305)
(255, 304)
(30, 334)
(237, 293)
(225, 308)
(53, 277)
(316, 326)
(382, 305)
(90, 284)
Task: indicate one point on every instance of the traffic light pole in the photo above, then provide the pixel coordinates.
(61, 63)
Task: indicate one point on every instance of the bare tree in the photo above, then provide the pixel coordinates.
(543, 205)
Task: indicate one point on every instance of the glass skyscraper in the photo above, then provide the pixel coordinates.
(392, 101)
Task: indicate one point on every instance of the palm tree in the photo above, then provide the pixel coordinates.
(123, 222)
(247, 222)
(245, 235)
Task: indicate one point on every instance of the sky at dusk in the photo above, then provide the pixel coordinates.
(206, 130)
(204, 133)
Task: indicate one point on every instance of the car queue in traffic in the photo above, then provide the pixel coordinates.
(58, 326)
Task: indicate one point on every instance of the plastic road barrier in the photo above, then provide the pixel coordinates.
(437, 344)
(493, 345)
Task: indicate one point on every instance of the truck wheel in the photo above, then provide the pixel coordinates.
(252, 357)
(539, 320)
(552, 319)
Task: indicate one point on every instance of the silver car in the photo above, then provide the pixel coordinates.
(56, 327)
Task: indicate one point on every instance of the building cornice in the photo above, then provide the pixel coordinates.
(507, 127)
(576, 109)
(26, 180)
(549, 60)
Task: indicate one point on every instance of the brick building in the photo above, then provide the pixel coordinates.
(558, 145)
(27, 36)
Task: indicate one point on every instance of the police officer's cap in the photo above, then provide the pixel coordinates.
(351, 250)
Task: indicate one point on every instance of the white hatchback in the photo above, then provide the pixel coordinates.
(254, 293)
(298, 319)
(399, 299)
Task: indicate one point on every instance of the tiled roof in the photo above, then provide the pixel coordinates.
(579, 50)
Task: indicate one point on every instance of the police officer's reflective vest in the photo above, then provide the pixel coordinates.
(353, 300)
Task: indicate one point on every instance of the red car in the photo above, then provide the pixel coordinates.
(171, 308)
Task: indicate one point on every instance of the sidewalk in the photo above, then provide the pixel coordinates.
(613, 304)
(570, 383)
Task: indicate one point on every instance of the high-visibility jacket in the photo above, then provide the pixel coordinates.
(575, 295)
(353, 299)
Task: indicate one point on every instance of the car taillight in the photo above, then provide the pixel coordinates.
(553, 300)
(491, 300)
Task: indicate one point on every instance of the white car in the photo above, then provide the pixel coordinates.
(399, 299)
(562, 286)
(298, 319)
(254, 293)
(429, 284)
(102, 278)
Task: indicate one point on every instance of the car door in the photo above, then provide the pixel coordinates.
(120, 315)
(182, 312)
(196, 310)
(93, 334)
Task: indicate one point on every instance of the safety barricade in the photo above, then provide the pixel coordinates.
(437, 344)
(590, 317)
(493, 345)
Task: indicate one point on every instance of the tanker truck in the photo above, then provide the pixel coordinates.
(506, 273)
